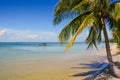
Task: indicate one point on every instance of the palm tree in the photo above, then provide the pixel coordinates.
(116, 37)
(116, 30)
(94, 14)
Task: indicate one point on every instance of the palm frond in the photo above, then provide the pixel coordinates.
(90, 40)
(111, 20)
(72, 27)
(63, 10)
(83, 2)
(65, 15)
(94, 36)
(84, 5)
(82, 26)
(84, 13)
(117, 12)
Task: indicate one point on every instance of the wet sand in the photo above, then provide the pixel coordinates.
(62, 68)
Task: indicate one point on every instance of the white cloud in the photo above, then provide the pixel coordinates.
(2, 31)
(11, 35)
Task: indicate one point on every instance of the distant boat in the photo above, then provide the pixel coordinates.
(43, 44)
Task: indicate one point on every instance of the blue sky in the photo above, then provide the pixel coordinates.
(27, 14)
(28, 20)
(22, 18)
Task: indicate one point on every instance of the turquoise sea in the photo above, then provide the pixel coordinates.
(10, 51)
(33, 61)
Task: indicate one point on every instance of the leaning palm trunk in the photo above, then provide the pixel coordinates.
(113, 68)
(107, 45)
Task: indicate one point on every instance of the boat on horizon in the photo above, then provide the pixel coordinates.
(43, 44)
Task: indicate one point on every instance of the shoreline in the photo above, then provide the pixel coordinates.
(55, 69)
(67, 67)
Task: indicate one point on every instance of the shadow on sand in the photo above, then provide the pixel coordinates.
(94, 67)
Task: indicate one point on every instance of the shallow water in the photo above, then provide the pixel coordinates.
(28, 60)
(20, 50)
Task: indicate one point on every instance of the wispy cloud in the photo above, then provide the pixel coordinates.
(21, 36)
(2, 31)
(11, 35)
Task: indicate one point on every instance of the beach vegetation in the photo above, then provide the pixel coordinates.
(116, 37)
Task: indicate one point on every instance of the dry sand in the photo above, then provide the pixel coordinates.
(106, 75)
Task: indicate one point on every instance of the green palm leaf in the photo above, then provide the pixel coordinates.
(72, 27)
(82, 26)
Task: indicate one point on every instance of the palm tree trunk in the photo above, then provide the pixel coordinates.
(113, 68)
(107, 45)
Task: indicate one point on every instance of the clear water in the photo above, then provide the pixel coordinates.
(10, 51)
